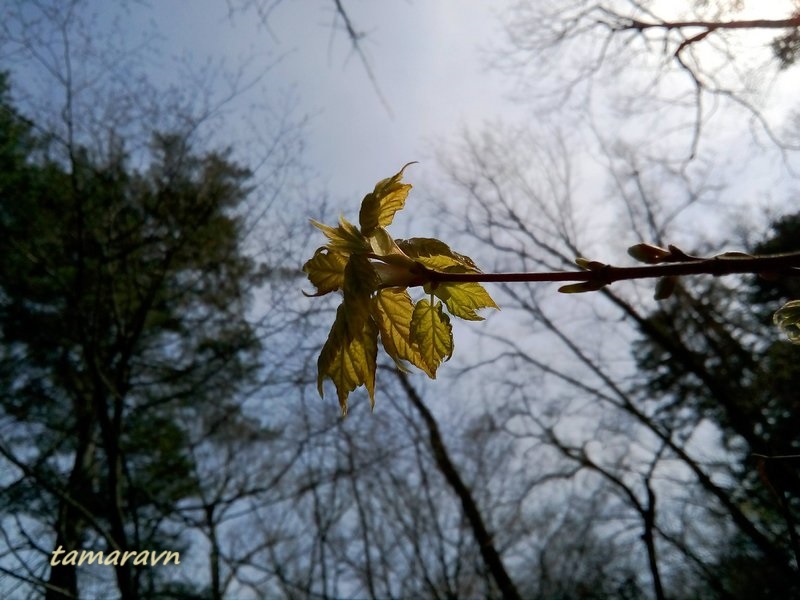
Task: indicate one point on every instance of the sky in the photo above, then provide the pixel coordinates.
(428, 59)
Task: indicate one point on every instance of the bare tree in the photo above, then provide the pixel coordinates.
(682, 66)
(582, 396)
(114, 464)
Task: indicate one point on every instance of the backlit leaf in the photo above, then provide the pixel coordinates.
(337, 338)
(436, 255)
(373, 272)
(349, 361)
(392, 310)
(385, 248)
(379, 207)
(432, 333)
(360, 281)
(345, 239)
(463, 299)
(788, 319)
(326, 270)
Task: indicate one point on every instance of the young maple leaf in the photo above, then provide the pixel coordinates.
(372, 271)
(787, 318)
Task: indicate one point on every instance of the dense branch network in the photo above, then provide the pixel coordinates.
(626, 29)
(785, 48)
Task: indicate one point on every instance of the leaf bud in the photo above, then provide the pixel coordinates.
(649, 254)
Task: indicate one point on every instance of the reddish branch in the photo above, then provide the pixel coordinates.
(712, 25)
(778, 264)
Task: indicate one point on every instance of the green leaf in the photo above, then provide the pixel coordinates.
(345, 239)
(360, 281)
(379, 207)
(392, 310)
(435, 254)
(385, 248)
(463, 299)
(432, 333)
(395, 267)
(326, 270)
(337, 338)
(373, 271)
(349, 361)
(788, 319)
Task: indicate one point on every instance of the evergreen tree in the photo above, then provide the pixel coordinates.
(123, 301)
(717, 357)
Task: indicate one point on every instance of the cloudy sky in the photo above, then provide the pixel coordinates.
(431, 63)
(428, 59)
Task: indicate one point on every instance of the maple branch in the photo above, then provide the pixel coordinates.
(778, 264)
(372, 270)
(634, 24)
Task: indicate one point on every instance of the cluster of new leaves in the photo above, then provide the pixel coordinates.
(373, 271)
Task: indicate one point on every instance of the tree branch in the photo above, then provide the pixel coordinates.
(489, 552)
(636, 25)
(779, 264)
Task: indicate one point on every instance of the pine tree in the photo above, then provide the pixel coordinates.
(123, 302)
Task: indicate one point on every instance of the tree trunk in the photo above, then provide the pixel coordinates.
(63, 581)
(489, 553)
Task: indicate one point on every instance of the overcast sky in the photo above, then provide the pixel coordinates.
(430, 62)
(428, 59)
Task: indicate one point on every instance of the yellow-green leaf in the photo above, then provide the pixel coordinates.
(326, 270)
(436, 255)
(379, 207)
(432, 333)
(463, 299)
(370, 346)
(337, 338)
(788, 319)
(385, 247)
(392, 310)
(349, 362)
(355, 365)
(345, 239)
(360, 281)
